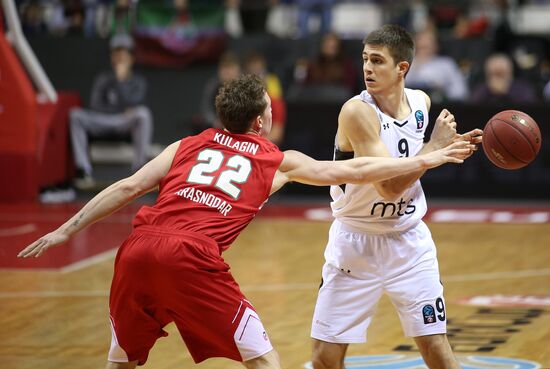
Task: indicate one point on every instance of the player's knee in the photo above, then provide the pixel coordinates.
(75, 116)
(432, 344)
(143, 115)
(436, 351)
(266, 361)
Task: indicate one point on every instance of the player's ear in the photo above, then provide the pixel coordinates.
(259, 121)
(257, 124)
(403, 68)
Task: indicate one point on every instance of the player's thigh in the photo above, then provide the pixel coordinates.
(269, 360)
(345, 306)
(415, 289)
(215, 318)
(423, 311)
(328, 355)
(97, 123)
(351, 287)
(136, 320)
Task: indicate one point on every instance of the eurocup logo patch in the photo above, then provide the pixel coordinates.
(419, 116)
(429, 314)
(394, 361)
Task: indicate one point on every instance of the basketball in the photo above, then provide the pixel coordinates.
(511, 139)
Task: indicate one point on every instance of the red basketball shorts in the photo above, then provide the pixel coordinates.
(163, 276)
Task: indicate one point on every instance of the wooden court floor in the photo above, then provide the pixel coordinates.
(58, 320)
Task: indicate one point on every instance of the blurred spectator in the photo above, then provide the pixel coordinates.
(546, 91)
(90, 13)
(331, 66)
(116, 108)
(401, 12)
(88, 17)
(500, 85)
(309, 8)
(123, 17)
(74, 15)
(32, 17)
(439, 76)
(255, 63)
(253, 13)
(447, 15)
(229, 68)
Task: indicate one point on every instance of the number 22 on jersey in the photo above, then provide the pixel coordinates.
(208, 164)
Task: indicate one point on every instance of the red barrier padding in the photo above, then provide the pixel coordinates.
(34, 143)
(54, 151)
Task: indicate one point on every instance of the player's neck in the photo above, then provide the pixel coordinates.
(394, 104)
(250, 132)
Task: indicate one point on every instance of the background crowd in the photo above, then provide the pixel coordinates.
(489, 51)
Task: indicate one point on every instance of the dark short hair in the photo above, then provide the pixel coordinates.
(240, 101)
(398, 41)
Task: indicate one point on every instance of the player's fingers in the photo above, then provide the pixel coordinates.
(461, 145)
(452, 159)
(34, 251)
(27, 250)
(465, 151)
(473, 135)
(458, 144)
(477, 139)
(42, 250)
(461, 153)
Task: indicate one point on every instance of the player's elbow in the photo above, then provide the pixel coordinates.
(129, 188)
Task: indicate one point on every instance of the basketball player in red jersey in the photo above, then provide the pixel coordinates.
(212, 185)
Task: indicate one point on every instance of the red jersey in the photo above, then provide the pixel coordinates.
(217, 183)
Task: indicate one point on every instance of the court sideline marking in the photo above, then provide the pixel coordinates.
(19, 230)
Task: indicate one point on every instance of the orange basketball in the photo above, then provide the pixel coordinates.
(511, 139)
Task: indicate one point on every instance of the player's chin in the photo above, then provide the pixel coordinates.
(371, 89)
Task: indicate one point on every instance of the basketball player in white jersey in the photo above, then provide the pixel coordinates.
(378, 242)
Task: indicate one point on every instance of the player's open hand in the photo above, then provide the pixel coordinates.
(456, 152)
(474, 137)
(444, 130)
(40, 246)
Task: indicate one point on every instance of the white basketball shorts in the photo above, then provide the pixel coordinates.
(360, 267)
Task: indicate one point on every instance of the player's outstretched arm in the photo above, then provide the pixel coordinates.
(107, 202)
(359, 124)
(298, 167)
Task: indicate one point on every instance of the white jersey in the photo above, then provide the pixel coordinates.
(360, 206)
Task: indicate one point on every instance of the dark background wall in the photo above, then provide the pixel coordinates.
(174, 97)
